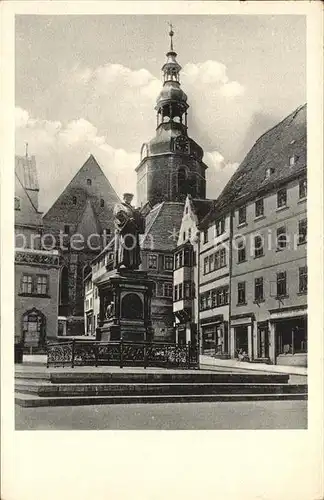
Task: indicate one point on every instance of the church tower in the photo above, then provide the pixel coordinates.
(171, 163)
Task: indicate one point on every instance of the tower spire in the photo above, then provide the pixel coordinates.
(171, 33)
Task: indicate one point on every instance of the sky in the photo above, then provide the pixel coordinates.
(88, 84)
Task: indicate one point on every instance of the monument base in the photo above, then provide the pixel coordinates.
(125, 306)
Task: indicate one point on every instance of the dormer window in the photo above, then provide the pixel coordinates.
(269, 172)
(74, 200)
(89, 182)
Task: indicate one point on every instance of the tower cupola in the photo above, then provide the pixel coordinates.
(171, 103)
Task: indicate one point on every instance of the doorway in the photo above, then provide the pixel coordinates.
(263, 341)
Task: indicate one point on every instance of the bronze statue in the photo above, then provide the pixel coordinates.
(129, 224)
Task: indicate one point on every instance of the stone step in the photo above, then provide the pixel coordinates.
(29, 400)
(127, 389)
(74, 377)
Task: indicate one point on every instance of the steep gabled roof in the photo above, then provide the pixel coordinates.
(201, 207)
(162, 227)
(71, 203)
(271, 151)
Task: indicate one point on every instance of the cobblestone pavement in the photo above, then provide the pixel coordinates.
(171, 416)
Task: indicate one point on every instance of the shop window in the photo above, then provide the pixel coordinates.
(302, 231)
(281, 284)
(241, 252)
(258, 289)
(303, 189)
(152, 261)
(241, 299)
(242, 215)
(258, 246)
(282, 198)
(259, 208)
(281, 238)
(303, 279)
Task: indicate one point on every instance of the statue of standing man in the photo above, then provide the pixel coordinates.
(129, 224)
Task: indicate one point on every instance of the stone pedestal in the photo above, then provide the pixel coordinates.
(125, 306)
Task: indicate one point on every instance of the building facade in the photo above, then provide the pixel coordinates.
(36, 269)
(79, 224)
(266, 199)
(186, 271)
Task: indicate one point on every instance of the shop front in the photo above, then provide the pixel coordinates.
(241, 342)
(214, 336)
(289, 333)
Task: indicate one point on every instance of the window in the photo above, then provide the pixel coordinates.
(187, 209)
(17, 203)
(241, 293)
(303, 189)
(74, 200)
(184, 236)
(258, 289)
(152, 261)
(220, 226)
(189, 233)
(292, 160)
(175, 293)
(269, 172)
(102, 202)
(211, 263)
(241, 252)
(180, 291)
(205, 236)
(281, 238)
(222, 253)
(303, 279)
(258, 246)
(168, 262)
(96, 293)
(282, 198)
(281, 284)
(242, 215)
(66, 229)
(167, 289)
(259, 208)
(27, 284)
(187, 289)
(42, 285)
(89, 182)
(206, 260)
(302, 231)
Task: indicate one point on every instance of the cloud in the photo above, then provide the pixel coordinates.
(61, 150)
(120, 102)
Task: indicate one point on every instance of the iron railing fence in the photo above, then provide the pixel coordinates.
(122, 353)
